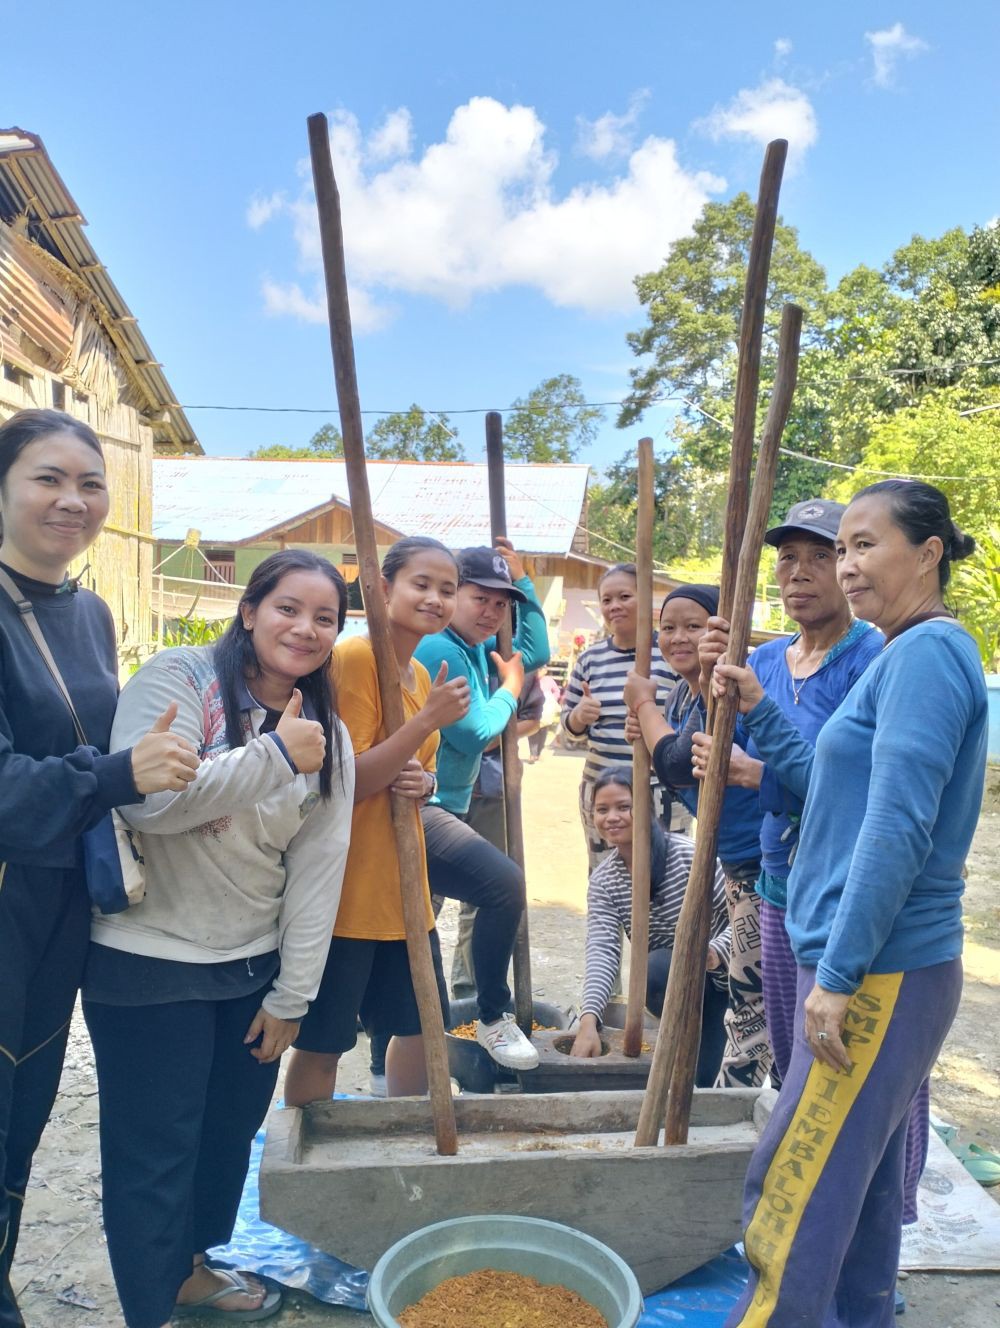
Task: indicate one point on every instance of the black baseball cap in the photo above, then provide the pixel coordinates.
(485, 567)
(814, 516)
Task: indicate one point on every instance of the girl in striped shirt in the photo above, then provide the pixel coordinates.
(609, 909)
(593, 711)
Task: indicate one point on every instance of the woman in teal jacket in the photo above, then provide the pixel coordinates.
(461, 864)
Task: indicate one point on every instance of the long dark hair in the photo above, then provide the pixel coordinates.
(27, 426)
(236, 661)
(621, 775)
(920, 511)
(403, 550)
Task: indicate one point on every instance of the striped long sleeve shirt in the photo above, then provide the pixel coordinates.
(604, 667)
(609, 908)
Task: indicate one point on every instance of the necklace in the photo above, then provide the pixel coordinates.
(796, 657)
(796, 690)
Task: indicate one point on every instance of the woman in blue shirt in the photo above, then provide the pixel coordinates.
(874, 918)
(807, 675)
(461, 864)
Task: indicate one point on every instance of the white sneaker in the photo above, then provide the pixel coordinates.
(507, 1044)
(376, 1085)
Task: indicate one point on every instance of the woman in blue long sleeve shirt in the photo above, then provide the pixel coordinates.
(461, 864)
(874, 919)
(807, 675)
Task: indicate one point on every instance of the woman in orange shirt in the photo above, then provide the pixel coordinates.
(368, 972)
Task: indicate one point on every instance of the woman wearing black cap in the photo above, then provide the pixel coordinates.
(683, 622)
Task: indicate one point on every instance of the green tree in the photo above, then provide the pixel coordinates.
(552, 423)
(689, 348)
(413, 435)
(956, 452)
(929, 320)
(975, 593)
(409, 435)
(689, 507)
(326, 443)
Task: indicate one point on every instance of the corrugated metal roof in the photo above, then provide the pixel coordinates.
(30, 187)
(231, 501)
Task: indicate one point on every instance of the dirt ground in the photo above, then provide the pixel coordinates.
(62, 1273)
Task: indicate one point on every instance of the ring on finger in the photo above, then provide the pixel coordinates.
(822, 1037)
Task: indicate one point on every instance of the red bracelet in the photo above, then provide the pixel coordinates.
(646, 700)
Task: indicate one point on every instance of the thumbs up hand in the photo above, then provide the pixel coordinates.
(586, 711)
(163, 761)
(448, 700)
(304, 739)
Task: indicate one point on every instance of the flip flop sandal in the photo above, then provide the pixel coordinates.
(982, 1165)
(943, 1129)
(208, 1307)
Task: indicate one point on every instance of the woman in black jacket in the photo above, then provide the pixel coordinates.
(53, 503)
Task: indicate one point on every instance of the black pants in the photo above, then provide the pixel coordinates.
(181, 1100)
(44, 934)
(462, 865)
(536, 742)
(713, 1010)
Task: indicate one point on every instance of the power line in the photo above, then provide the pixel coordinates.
(658, 399)
(888, 474)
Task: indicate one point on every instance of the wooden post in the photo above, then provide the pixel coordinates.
(642, 810)
(680, 1027)
(510, 759)
(744, 421)
(748, 367)
(404, 811)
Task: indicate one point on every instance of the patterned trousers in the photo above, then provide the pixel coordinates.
(747, 1057)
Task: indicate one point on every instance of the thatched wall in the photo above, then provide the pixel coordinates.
(54, 353)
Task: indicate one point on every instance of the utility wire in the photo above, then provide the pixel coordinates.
(543, 408)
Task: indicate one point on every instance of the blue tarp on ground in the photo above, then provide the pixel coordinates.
(701, 1299)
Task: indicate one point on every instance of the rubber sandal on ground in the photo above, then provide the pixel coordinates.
(943, 1129)
(209, 1308)
(982, 1165)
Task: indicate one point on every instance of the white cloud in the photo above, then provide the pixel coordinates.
(393, 138)
(889, 46)
(610, 135)
(479, 211)
(775, 109)
(782, 48)
(288, 298)
(261, 210)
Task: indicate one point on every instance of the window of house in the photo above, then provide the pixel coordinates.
(223, 565)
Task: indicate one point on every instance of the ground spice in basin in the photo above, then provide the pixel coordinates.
(489, 1299)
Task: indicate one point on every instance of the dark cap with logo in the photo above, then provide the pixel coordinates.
(815, 516)
(485, 567)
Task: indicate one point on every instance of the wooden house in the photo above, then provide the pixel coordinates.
(68, 341)
(216, 518)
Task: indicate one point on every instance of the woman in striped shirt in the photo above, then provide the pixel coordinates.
(609, 909)
(593, 711)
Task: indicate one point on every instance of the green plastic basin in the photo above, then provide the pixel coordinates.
(548, 1251)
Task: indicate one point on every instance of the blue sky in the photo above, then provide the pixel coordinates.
(505, 170)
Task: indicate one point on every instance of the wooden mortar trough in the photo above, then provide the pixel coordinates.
(353, 1177)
